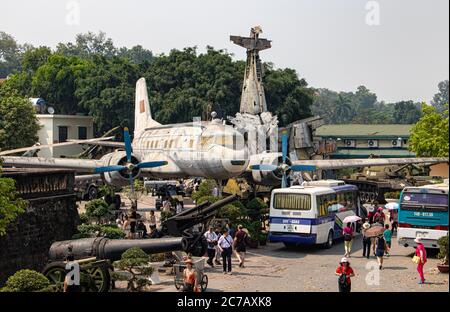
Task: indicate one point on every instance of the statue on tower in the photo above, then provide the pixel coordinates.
(253, 100)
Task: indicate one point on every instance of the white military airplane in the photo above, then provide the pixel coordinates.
(198, 149)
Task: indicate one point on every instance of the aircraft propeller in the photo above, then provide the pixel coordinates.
(130, 166)
(284, 166)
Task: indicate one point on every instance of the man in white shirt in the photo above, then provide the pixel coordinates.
(225, 245)
(211, 239)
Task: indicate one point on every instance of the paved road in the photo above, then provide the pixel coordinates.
(275, 268)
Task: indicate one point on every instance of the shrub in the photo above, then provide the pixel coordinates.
(84, 218)
(97, 208)
(27, 281)
(443, 249)
(135, 262)
(256, 208)
(205, 189)
(97, 230)
(393, 195)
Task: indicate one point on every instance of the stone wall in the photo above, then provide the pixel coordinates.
(50, 216)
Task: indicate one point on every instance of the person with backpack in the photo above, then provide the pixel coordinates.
(367, 241)
(380, 249)
(345, 272)
(348, 239)
(225, 244)
(240, 245)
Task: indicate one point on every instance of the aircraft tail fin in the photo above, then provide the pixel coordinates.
(142, 116)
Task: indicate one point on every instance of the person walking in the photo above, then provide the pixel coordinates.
(127, 227)
(367, 241)
(379, 216)
(345, 273)
(422, 254)
(211, 240)
(226, 248)
(152, 221)
(179, 207)
(348, 239)
(388, 238)
(240, 245)
(218, 253)
(380, 249)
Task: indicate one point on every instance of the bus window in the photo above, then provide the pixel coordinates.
(345, 201)
(326, 203)
(292, 201)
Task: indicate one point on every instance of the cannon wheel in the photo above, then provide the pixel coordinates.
(204, 283)
(55, 272)
(100, 278)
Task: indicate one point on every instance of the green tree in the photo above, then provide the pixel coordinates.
(98, 209)
(136, 54)
(134, 262)
(429, 137)
(107, 91)
(9, 54)
(406, 112)
(55, 81)
(441, 98)
(11, 205)
(88, 45)
(287, 96)
(34, 58)
(18, 123)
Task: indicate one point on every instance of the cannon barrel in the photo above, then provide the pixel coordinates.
(105, 248)
(176, 225)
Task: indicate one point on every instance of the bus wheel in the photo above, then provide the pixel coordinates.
(329, 242)
(289, 245)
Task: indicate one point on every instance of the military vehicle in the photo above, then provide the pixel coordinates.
(374, 182)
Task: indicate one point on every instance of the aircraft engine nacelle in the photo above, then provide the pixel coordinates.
(268, 178)
(119, 178)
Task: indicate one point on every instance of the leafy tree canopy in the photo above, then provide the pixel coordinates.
(429, 137)
(18, 123)
(441, 98)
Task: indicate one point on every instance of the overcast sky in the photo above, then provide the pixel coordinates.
(328, 42)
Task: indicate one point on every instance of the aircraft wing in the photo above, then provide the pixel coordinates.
(80, 165)
(327, 164)
(98, 141)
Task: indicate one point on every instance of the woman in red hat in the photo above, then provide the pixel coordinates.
(190, 277)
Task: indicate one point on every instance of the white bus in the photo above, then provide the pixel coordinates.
(311, 214)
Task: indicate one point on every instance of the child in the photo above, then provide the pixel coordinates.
(388, 238)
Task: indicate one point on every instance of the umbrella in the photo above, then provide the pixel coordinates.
(392, 206)
(375, 230)
(351, 219)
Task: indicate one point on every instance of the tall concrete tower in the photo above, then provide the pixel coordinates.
(253, 100)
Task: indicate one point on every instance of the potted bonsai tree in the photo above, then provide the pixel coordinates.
(443, 254)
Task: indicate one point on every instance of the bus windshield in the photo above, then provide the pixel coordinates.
(415, 201)
(292, 201)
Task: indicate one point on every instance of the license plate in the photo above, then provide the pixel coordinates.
(421, 234)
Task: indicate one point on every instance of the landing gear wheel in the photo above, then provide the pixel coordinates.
(204, 283)
(329, 242)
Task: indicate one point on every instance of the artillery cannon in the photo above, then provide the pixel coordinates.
(95, 255)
